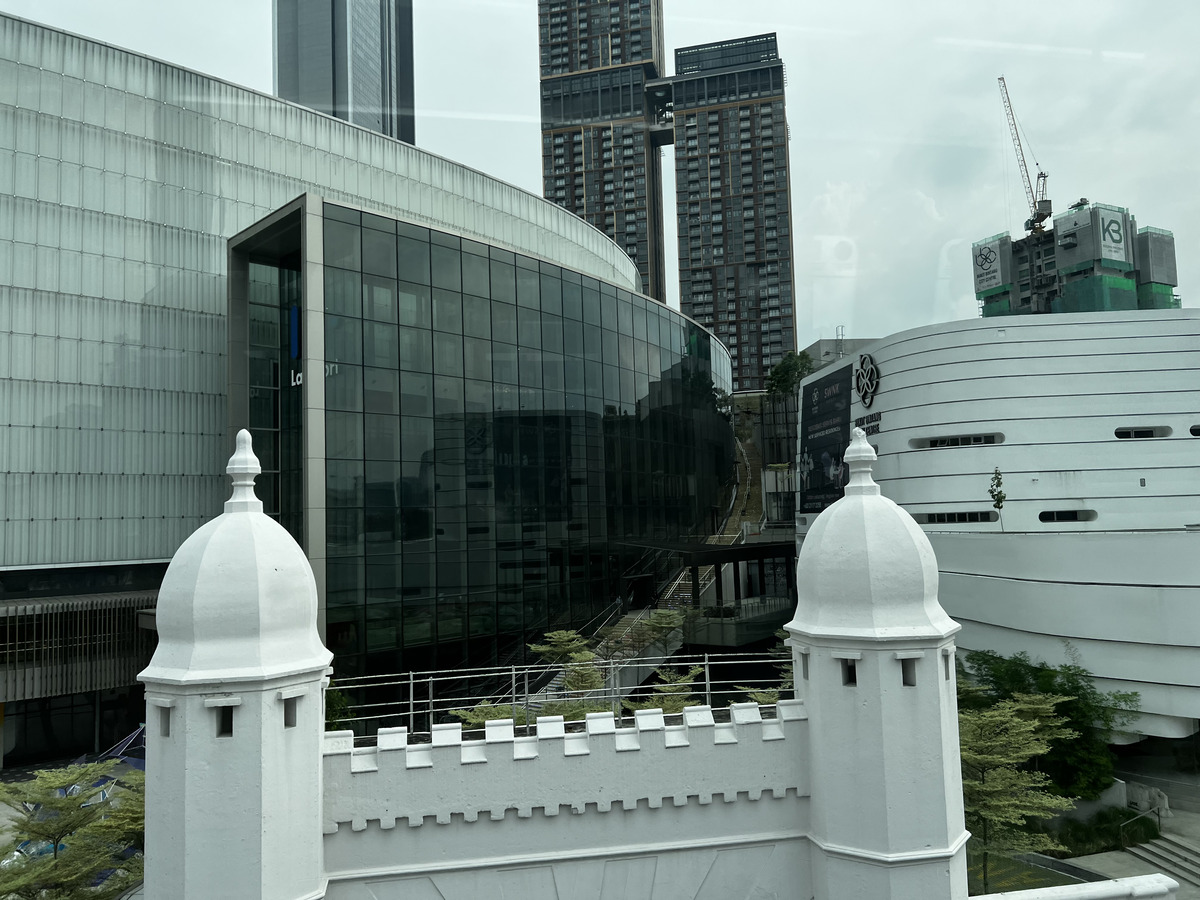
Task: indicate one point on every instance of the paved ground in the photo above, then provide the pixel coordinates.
(1119, 864)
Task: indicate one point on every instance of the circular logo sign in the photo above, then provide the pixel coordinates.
(985, 258)
(866, 380)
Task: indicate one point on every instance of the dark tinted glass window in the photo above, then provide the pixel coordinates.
(413, 259)
(378, 253)
(342, 245)
(342, 292)
(446, 268)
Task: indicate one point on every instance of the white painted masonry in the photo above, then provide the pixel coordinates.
(850, 791)
(236, 815)
(879, 688)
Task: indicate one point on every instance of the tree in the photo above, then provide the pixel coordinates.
(672, 693)
(337, 709)
(1000, 794)
(1081, 765)
(785, 376)
(486, 711)
(559, 647)
(787, 683)
(996, 492)
(84, 831)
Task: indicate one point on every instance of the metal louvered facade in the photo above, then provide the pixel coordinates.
(68, 645)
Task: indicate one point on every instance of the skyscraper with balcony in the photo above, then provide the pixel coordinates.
(600, 146)
(731, 184)
(352, 59)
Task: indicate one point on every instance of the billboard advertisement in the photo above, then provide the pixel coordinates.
(824, 437)
(1113, 227)
(988, 264)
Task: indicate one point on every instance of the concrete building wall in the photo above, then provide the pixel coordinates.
(683, 810)
(1094, 540)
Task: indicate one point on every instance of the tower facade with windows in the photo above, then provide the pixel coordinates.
(731, 200)
(352, 59)
(600, 143)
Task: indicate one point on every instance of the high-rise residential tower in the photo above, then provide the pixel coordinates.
(600, 145)
(349, 58)
(731, 189)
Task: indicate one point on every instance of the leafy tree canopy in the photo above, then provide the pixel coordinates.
(672, 693)
(83, 830)
(1079, 763)
(559, 647)
(785, 376)
(1000, 792)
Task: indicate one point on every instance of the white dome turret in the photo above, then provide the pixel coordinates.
(238, 600)
(866, 570)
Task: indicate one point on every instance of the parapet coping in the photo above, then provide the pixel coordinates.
(551, 737)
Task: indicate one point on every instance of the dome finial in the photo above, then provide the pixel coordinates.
(242, 468)
(860, 457)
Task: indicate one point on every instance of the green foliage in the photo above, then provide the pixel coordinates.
(484, 711)
(672, 693)
(88, 834)
(1000, 794)
(661, 624)
(574, 710)
(787, 683)
(337, 709)
(1082, 765)
(785, 376)
(581, 674)
(559, 647)
(1102, 833)
(570, 650)
(995, 491)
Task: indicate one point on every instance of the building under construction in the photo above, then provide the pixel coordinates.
(1095, 258)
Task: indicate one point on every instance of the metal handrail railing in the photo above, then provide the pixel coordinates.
(1155, 810)
(427, 697)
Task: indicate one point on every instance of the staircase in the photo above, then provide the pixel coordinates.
(1175, 856)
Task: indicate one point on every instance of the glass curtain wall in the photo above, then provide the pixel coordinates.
(500, 434)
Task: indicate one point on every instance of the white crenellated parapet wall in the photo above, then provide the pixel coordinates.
(851, 792)
(666, 810)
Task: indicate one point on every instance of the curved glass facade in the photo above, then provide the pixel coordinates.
(504, 439)
(121, 178)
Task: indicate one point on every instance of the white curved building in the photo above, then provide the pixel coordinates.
(1093, 420)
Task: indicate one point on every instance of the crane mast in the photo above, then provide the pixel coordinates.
(1039, 205)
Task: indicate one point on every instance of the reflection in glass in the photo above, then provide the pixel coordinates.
(497, 452)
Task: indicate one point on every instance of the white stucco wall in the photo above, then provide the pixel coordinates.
(696, 810)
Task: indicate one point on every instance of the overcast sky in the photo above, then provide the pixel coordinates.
(900, 155)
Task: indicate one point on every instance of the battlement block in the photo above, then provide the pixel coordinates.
(698, 717)
(498, 731)
(601, 723)
(365, 759)
(338, 743)
(649, 719)
(747, 721)
(791, 710)
(392, 739)
(447, 734)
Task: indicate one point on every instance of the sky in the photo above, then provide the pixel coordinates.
(900, 153)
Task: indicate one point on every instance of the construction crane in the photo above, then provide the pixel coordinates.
(1039, 205)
